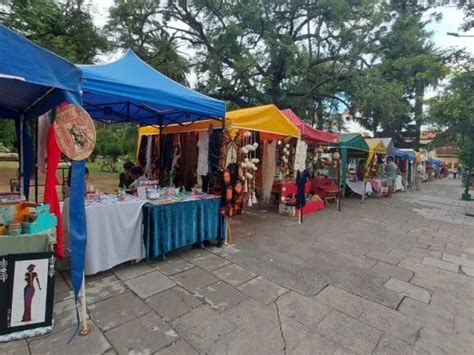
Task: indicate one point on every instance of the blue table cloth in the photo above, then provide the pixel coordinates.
(172, 226)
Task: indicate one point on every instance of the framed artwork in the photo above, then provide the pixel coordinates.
(26, 291)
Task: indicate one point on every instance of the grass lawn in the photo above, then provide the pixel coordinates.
(103, 181)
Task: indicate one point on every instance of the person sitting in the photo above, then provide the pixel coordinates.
(360, 170)
(125, 177)
(138, 176)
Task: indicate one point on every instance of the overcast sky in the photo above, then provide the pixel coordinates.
(451, 20)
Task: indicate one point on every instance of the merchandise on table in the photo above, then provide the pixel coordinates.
(25, 218)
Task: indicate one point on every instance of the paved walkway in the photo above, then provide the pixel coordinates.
(387, 276)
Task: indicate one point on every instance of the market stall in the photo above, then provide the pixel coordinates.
(319, 187)
(352, 147)
(32, 81)
(374, 166)
(389, 146)
(129, 90)
(406, 159)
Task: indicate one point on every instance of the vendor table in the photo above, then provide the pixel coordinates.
(28, 243)
(175, 225)
(114, 233)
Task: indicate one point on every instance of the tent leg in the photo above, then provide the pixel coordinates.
(20, 158)
(85, 330)
(36, 159)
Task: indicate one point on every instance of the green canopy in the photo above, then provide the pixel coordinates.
(350, 145)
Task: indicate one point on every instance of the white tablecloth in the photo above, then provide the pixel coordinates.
(114, 234)
(358, 187)
(399, 184)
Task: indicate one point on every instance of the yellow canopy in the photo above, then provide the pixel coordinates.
(268, 119)
(376, 146)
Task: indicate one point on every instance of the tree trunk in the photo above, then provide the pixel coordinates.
(419, 95)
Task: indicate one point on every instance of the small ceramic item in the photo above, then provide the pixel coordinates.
(14, 228)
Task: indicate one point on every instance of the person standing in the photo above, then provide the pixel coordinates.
(391, 174)
(420, 175)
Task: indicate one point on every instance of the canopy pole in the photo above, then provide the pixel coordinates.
(84, 327)
(36, 158)
(20, 157)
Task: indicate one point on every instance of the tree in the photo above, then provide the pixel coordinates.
(468, 7)
(137, 24)
(453, 112)
(65, 27)
(297, 54)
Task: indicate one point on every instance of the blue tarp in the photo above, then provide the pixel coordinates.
(33, 79)
(406, 154)
(131, 90)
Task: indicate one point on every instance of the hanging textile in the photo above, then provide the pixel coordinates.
(43, 125)
(50, 193)
(166, 159)
(141, 156)
(300, 156)
(188, 161)
(215, 174)
(77, 224)
(149, 162)
(203, 155)
(232, 201)
(268, 168)
(301, 179)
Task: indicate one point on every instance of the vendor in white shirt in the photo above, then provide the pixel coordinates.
(138, 175)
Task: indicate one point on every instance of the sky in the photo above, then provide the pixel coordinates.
(451, 20)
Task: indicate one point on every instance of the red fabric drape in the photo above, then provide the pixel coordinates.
(50, 193)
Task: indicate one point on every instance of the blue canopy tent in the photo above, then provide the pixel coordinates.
(410, 156)
(34, 80)
(131, 90)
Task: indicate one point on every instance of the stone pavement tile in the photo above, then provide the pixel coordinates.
(342, 301)
(128, 270)
(343, 351)
(146, 334)
(17, 347)
(64, 314)
(458, 260)
(92, 278)
(349, 332)
(57, 343)
(239, 342)
(427, 315)
(115, 311)
(104, 288)
(220, 295)
(393, 271)
(173, 303)
(173, 266)
(194, 279)
(431, 341)
(189, 254)
(149, 284)
(210, 262)
(440, 264)
(202, 327)
(253, 316)
(262, 290)
(234, 274)
(313, 344)
(409, 290)
(62, 290)
(453, 305)
(178, 348)
(387, 258)
(293, 332)
(391, 345)
(392, 322)
(302, 309)
(224, 251)
(463, 326)
(469, 271)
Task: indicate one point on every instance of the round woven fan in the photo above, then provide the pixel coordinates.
(74, 131)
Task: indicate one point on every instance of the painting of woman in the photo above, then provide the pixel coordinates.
(29, 291)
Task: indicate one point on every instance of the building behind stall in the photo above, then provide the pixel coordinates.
(447, 152)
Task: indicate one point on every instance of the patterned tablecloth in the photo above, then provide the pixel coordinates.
(168, 227)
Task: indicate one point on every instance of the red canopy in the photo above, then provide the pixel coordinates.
(310, 135)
